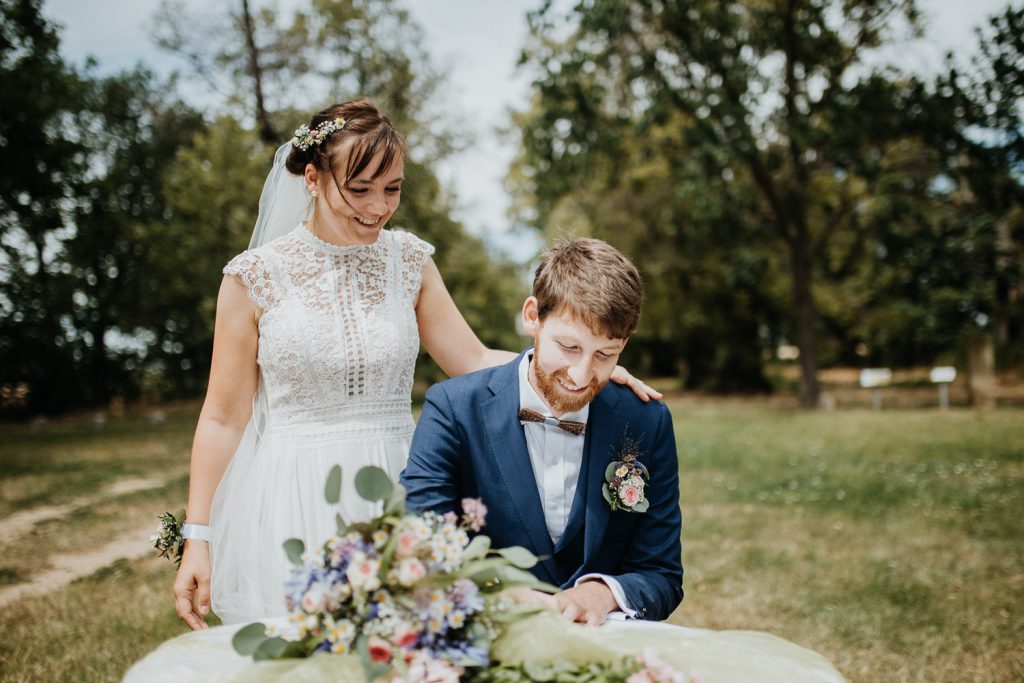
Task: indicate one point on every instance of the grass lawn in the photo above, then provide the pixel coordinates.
(891, 541)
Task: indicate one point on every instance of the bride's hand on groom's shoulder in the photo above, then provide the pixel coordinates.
(192, 585)
(644, 392)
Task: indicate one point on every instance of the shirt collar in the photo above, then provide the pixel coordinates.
(529, 398)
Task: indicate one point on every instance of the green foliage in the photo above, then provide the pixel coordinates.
(293, 548)
(772, 185)
(332, 489)
(373, 484)
(42, 157)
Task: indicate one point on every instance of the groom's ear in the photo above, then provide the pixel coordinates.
(531, 316)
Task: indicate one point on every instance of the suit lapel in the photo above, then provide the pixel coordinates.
(602, 437)
(508, 448)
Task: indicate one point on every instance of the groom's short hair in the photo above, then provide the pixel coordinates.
(594, 282)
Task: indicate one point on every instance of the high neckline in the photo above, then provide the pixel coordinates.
(323, 245)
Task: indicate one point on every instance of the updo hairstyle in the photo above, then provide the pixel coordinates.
(367, 124)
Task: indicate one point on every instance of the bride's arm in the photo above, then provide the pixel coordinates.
(448, 339)
(445, 334)
(234, 378)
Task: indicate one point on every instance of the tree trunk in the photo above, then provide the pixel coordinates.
(803, 311)
(1008, 290)
(267, 132)
(981, 372)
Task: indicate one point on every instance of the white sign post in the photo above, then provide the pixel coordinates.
(875, 379)
(943, 376)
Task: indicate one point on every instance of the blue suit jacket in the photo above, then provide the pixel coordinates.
(469, 443)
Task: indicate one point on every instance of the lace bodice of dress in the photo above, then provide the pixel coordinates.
(338, 331)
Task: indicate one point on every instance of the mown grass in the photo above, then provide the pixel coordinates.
(889, 541)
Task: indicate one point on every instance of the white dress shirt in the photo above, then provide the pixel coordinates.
(557, 457)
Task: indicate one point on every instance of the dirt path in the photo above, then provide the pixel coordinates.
(132, 544)
(21, 523)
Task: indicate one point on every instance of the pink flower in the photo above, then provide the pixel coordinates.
(362, 573)
(380, 649)
(410, 570)
(629, 495)
(406, 544)
(474, 512)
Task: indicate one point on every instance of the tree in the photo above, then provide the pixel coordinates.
(766, 90)
(42, 164)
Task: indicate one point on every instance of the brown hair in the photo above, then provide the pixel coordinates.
(372, 131)
(592, 280)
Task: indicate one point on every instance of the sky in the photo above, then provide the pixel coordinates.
(478, 43)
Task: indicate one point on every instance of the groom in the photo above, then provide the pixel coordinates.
(535, 437)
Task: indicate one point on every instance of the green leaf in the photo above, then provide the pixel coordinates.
(342, 527)
(477, 548)
(332, 489)
(642, 506)
(610, 470)
(271, 648)
(395, 504)
(373, 484)
(519, 556)
(606, 492)
(295, 547)
(515, 576)
(249, 638)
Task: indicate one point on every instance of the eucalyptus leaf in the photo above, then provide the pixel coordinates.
(271, 648)
(606, 493)
(247, 639)
(342, 527)
(642, 506)
(395, 504)
(477, 548)
(332, 489)
(373, 484)
(519, 556)
(294, 547)
(514, 575)
(610, 470)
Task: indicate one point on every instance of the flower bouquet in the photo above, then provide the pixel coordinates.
(414, 596)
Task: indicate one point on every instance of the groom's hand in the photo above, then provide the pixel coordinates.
(589, 603)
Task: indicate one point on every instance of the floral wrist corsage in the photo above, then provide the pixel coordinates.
(625, 481)
(168, 541)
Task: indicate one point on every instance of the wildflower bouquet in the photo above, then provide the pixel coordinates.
(413, 595)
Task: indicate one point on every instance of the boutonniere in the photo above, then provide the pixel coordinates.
(626, 480)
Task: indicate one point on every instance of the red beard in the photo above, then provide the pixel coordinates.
(555, 396)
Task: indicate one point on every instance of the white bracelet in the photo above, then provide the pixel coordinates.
(195, 532)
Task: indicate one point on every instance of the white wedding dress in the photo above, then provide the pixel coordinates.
(338, 342)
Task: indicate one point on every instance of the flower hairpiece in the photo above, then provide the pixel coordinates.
(304, 137)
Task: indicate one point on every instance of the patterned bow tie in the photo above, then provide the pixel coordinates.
(527, 415)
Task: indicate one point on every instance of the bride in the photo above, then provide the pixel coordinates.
(320, 320)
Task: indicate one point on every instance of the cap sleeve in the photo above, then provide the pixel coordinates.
(252, 270)
(414, 253)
